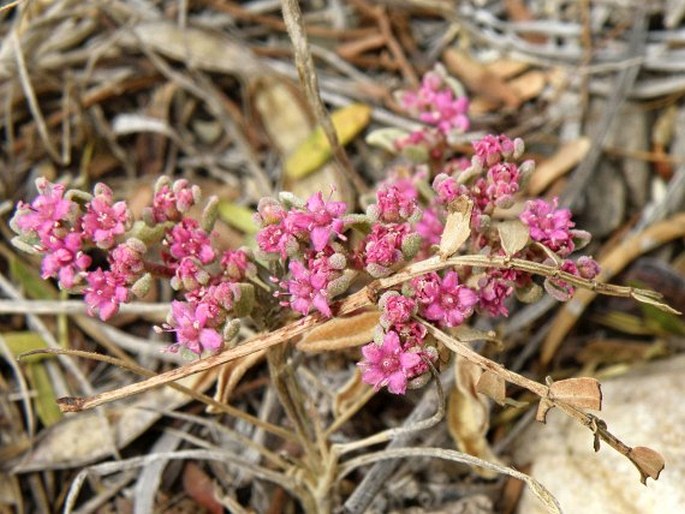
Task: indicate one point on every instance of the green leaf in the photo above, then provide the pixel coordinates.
(22, 342)
(45, 400)
(237, 216)
(315, 151)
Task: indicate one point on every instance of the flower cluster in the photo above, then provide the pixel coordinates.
(308, 252)
(305, 237)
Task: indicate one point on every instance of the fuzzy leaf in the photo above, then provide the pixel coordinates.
(341, 333)
(582, 393)
(237, 216)
(649, 463)
(514, 236)
(385, 138)
(457, 227)
(528, 294)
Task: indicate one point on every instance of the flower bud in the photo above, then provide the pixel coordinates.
(141, 287)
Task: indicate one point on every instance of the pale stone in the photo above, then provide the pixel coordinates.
(642, 408)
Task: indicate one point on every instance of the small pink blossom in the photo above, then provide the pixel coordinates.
(502, 183)
(383, 246)
(193, 326)
(430, 228)
(307, 286)
(47, 211)
(171, 202)
(189, 275)
(126, 260)
(549, 225)
(588, 268)
(448, 188)
(444, 300)
(397, 309)
(187, 239)
(104, 293)
(491, 149)
(388, 364)
(65, 259)
(322, 220)
(493, 290)
(104, 220)
(236, 265)
(394, 204)
(277, 239)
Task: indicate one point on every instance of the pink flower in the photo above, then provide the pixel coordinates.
(307, 286)
(549, 225)
(236, 265)
(429, 227)
(397, 309)
(187, 239)
(103, 220)
(588, 268)
(104, 293)
(64, 259)
(394, 204)
(383, 246)
(277, 239)
(189, 275)
(388, 364)
(502, 183)
(126, 260)
(192, 324)
(447, 188)
(435, 103)
(321, 220)
(47, 211)
(492, 149)
(444, 300)
(493, 290)
(171, 202)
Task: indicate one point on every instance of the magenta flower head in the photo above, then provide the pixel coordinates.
(104, 293)
(491, 149)
(105, 220)
(394, 204)
(397, 309)
(65, 259)
(171, 201)
(193, 326)
(549, 225)
(444, 300)
(45, 214)
(237, 265)
(388, 364)
(322, 220)
(187, 239)
(126, 260)
(308, 285)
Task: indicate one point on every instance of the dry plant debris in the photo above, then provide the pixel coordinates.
(248, 99)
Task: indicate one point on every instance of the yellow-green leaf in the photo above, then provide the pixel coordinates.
(313, 153)
(21, 342)
(45, 400)
(237, 216)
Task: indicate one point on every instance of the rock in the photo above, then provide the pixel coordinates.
(642, 408)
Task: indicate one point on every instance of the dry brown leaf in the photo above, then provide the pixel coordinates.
(457, 227)
(231, 374)
(563, 161)
(493, 386)
(197, 48)
(649, 463)
(468, 414)
(507, 68)
(340, 333)
(581, 393)
(198, 485)
(529, 85)
(478, 79)
(350, 394)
